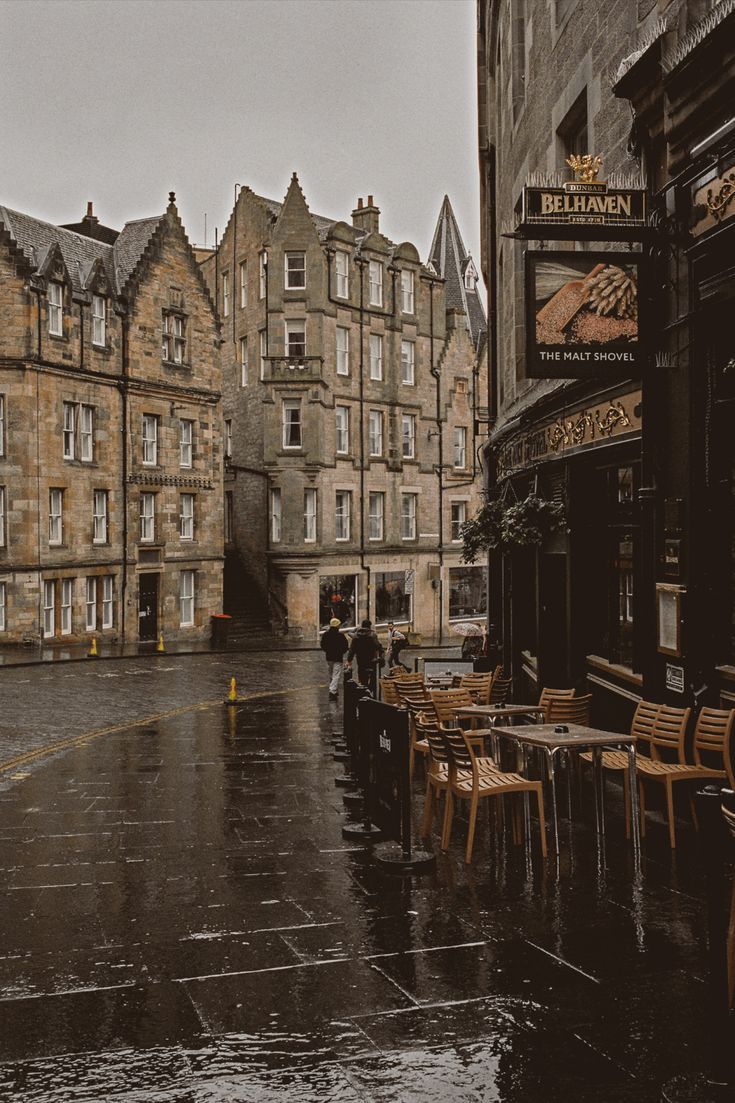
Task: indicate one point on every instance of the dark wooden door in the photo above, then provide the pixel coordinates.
(148, 606)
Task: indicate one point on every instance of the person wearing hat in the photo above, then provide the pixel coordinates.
(334, 645)
(366, 648)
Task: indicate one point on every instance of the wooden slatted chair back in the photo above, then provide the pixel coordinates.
(415, 679)
(500, 688)
(478, 684)
(669, 734)
(389, 691)
(437, 746)
(413, 695)
(712, 738)
(447, 701)
(459, 749)
(569, 710)
(548, 694)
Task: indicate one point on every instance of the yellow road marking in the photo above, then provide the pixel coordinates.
(80, 740)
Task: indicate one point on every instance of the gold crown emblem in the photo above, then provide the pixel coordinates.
(585, 168)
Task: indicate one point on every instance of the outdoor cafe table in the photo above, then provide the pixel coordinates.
(578, 738)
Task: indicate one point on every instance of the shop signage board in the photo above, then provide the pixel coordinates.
(675, 678)
(546, 210)
(574, 430)
(582, 314)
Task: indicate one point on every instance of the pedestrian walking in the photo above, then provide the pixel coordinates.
(366, 649)
(396, 643)
(334, 645)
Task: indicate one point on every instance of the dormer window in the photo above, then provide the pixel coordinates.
(99, 320)
(295, 271)
(407, 291)
(173, 343)
(55, 309)
(470, 277)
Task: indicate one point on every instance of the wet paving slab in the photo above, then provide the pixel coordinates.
(182, 921)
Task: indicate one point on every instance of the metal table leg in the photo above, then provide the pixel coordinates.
(635, 811)
(552, 781)
(599, 795)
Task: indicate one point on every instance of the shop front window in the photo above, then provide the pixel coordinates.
(619, 496)
(338, 598)
(393, 593)
(467, 591)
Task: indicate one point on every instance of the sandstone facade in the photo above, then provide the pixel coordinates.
(334, 337)
(82, 367)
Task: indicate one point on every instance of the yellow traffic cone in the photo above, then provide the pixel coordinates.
(159, 645)
(92, 653)
(232, 695)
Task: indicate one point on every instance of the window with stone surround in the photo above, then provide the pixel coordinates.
(186, 516)
(292, 423)
(3, 606)
(229, 516)
(342, 272)
(2, 424)
(342, 514)
(186, 442)
(375, 432)
(262, 273)
(342, 427)
(309, 515)
(90, 604)
(460, 446)
(100, 517)
(147, 518)
(55, 297)
(78, 432)
(343, 351)
(459, 516)
(228, 438)
(375, 283)
(149, 436)
(68, 430)
(296, 339)
(99, 320)
(55, 515)
(408, 363)
(376, 515)
(3, 538)
(376, 356)
(186, 598)
(295, 271)
(407, 291)
(173, 338)
(108, 606)
(467, 591)
(49, 607)
(243, 284)
(225, 294)
(408, 436)
(276, 514)
(86, 433)
(572, 133)
(67, 596)
(243, 361)
(392, 599)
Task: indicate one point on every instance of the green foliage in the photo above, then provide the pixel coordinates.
(516, 525)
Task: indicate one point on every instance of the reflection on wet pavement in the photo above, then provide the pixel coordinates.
(182, 921)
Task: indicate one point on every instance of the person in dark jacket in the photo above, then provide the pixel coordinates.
(334, 645)
(365, 648)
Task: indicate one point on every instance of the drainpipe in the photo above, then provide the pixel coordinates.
(440, 468)
(360, 263)
(123, 385)
(38, 467)
(492, 375)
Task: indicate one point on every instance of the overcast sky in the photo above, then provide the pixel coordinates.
(121, 101)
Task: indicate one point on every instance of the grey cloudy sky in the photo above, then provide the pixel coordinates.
(120, 101)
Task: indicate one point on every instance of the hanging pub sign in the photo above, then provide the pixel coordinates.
(582, 316)
(568, 210)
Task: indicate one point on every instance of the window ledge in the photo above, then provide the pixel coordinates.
(625, 673)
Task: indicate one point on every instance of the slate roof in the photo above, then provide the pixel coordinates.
(323, 224)
(35, 238)
(450, 259)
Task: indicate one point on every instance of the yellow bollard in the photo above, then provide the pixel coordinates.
(232, 696)
(92, 653)
(159, 645)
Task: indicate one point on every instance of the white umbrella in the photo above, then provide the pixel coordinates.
(467, 628)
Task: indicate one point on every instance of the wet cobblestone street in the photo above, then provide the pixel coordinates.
(183, 922)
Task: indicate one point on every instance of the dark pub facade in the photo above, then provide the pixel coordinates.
(612, 298)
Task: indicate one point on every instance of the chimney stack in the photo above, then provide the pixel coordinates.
(366, 217)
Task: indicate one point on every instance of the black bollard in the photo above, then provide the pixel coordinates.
(717, 1084)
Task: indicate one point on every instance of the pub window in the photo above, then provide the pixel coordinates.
(392, 596)
(618, 499)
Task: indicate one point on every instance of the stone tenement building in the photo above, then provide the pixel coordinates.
(635, 595)
(355, 393)
(110, 433)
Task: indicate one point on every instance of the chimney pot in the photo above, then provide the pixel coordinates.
(90, 210)
(370, 201)
(359, 204)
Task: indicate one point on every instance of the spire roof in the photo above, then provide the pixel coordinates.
(451, 260)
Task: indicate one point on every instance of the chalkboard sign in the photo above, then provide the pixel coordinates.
(384, 736)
